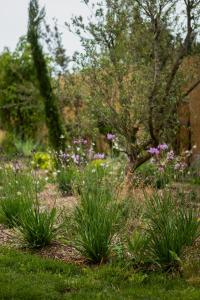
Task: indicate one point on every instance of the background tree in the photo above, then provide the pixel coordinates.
(69, 88)
(53, 119)
(21, 106)
(134, 51)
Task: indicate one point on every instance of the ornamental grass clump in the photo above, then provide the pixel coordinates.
(97, 217)
(38, 226)
(170, 225)
(16, 194)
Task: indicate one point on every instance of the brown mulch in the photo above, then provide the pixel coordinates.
(6, 236)
(56, 250)
(61, 252)
(49, 198)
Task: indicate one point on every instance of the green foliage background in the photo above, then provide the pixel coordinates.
(21, 107)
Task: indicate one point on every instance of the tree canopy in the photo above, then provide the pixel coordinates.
(132, 61)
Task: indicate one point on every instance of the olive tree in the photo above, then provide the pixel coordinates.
(132, 61)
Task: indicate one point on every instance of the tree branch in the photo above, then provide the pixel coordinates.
(191, 88)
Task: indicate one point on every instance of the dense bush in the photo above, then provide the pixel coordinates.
(148, 174)
(21, 104)
(163, 168)
(43, 161)
(25, 148)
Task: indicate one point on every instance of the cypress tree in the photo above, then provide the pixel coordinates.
(53, 118)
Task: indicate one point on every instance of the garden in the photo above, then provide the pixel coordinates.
(99, 197)
(72, 227)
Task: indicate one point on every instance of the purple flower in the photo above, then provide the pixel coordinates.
(99, 156)
(64, 156)
(161, 169)
(177, 166)
(153, 151)
(163, 147)
(110, 136)
(80, 141)
(170, 155)
(75, 141)
(76, 158)
(180, 166)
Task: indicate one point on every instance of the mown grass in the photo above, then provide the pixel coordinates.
(26, 276)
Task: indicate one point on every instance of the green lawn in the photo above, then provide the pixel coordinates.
(24, 276)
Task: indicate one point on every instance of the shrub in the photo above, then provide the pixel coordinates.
(25, 148)
(96, 217)
(65, 178)
(163, 168)
(100, 167)
(43, 161)
(7, 146)
(149, 174)
(37, 226)
(145, 174)
(16, 195)
(170, 226)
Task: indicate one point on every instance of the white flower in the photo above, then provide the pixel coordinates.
(19, 193)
